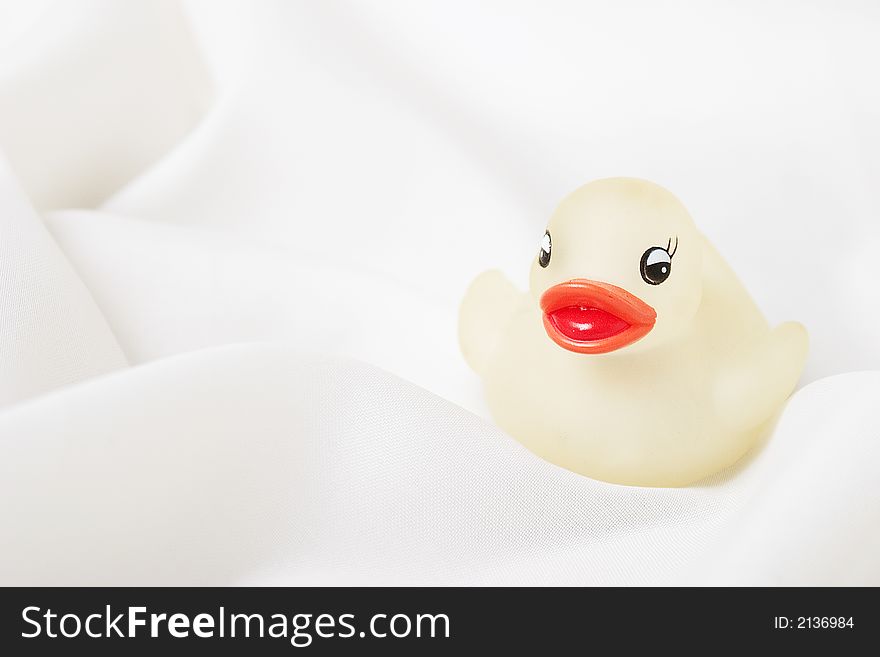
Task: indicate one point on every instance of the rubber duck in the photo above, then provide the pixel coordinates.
(636, 357)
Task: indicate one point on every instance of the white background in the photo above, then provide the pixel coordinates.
(242, 197)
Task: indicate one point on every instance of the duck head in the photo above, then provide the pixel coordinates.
(619, 268)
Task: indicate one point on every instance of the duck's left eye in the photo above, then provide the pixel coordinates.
(656, 265)
(544, 252)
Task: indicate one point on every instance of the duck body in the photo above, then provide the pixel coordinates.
(685, 400)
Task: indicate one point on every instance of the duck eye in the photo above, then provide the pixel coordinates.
(656, 265)
(544, 252)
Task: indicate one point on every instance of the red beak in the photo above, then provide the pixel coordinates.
(589, 317)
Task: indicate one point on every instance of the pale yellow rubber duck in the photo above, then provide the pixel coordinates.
(636, 357)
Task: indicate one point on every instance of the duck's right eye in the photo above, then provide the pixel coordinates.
(544, 252)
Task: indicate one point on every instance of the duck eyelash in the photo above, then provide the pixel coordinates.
(674, 249)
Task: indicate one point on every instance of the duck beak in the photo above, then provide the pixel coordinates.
(591, 317)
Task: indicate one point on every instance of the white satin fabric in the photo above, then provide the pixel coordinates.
(233, 237)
